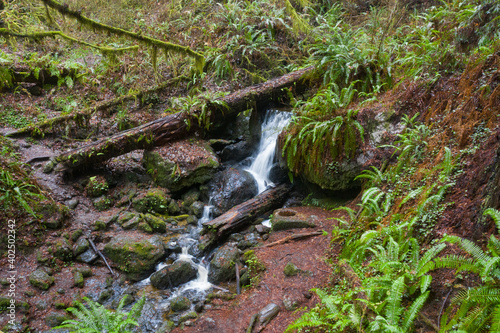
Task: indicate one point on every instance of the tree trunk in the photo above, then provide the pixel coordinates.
(179, 125)
(241, 215)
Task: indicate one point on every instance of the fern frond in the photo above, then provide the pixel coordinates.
(495, 215)
(394, 309)
(469, 247)
(413, 311)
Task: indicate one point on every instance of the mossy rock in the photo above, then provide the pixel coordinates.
(102, 203)
(173, 275)
(63, 249)
(132, 223)
(157, 224)
(135, 255)
(291, 269)
(181, 164)
(125, 217)
(222, 266)
(145, 227)
(53, 214)
(78, 280)
(54, 319)
(81, 246)
(180, 303)
(40, 279)
(154, 201)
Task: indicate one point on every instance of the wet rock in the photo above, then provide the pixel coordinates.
(157, 224)
(125, 217)
(132, 223)
(182, 164)
(166, 327)
(291, 269)
(63, 250)
(86, 271)
(135, 255)
(173, 208)
(188, 317)
(81, 246)
(72, 203)
(287, 218)
(190, 197)
(105, 295)
(144, 226)
(88, 257)
(102, 203)
(173, 275)
(278, 175)
(41, 279)
(196, 209)
(76, 234)
(262, 229)
(99, 225)
(180, 303)
(41, 305)
(222, 265)
(268, 313)
(229, 188)
(236, 152)
(78, 280)
(54, 319)
(154, 201)
(53, 215)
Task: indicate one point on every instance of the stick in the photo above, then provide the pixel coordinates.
(293, 238)
(101, 255)
(237, 279)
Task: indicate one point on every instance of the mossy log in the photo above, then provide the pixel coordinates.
(83, 116)
(241, 215)
(176, 126)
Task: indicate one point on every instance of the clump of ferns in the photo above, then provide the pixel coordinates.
(311, 138)
(478, 307)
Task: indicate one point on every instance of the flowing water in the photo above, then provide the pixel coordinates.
(261, 165)
(273, 124)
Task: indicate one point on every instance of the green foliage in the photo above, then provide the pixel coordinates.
(318, 139)
(477, 306)
(95, 318)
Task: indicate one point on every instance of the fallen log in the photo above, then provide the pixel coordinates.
(243, 214)
(82, 117)
(179, 125)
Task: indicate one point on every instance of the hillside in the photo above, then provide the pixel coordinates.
(127, 126)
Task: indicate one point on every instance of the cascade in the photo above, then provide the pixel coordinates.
(263, 160)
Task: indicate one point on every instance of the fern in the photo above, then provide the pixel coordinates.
(95, 318)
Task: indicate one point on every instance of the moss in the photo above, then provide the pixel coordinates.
(76, 234)
(157, 224)
(144, 226)
(290, 269)
(180, 303)
(103, 203)
(154, 201)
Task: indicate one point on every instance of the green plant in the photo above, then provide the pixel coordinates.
(97, 319)
(16, 191)
(478, 307)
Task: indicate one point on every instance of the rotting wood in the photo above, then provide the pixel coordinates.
(176, 126)
(85, 114)
(293, 238)
(241, 215)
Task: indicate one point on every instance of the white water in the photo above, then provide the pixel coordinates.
(201, 283)
(272, 125)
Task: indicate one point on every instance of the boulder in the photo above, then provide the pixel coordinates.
(173, 275)
(181, 164)
(41, 279)
(81, 246)
(88, 257)
(222, 265)
(157, 224)
(236, 152)
(153, 201)
(197, 208)
(229, 188)
(180, 303)
(287, 218)
(54, 319)
(63, 249)
(53, 215)
(135, 255)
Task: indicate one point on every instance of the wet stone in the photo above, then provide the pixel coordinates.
(173, 275)
(72, 203)
(54, 319)
(222, 265)
(81, 246)
(180, 303)
(87, 257)
(196, 209)
(78, 280)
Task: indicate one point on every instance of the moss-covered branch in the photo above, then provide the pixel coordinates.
(152, 42)
(44, 34)
(81, 117)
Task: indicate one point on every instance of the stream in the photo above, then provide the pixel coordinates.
(259, 165)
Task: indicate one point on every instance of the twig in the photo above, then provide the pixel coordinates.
(442, 307)
(101, 255)
(293, 238)
(220, 288)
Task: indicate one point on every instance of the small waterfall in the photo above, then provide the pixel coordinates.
(272, 125)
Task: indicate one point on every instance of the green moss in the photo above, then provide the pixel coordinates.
(290, 269)
(154, 201)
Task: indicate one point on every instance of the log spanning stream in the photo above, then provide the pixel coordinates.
(260, 165)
